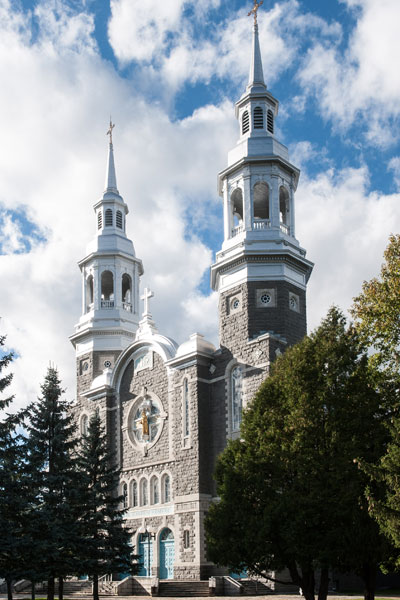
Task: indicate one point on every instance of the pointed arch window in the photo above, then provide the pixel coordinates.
(166, 488)
(154, 491)
(245, 122)
(118, 219)
(270, 121)
(125, 495)
(84, 425)
(99, 220)
(144, 496)
(236, 397)
(108, 218)
(258, 118)
(134, 492)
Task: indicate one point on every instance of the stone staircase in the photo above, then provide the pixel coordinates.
(251, 587)
(73, 587)
(181, 589)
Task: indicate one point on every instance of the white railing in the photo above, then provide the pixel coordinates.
(261, 224)
(284, 228)
(127, 306)
(107, 304)
(89, 307)
(236, 230)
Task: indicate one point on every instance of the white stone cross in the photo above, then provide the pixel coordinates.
(147, 294)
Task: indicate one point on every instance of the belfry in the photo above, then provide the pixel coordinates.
(169, 409)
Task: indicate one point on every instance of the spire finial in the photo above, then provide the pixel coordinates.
(254, 10)
(110, 129)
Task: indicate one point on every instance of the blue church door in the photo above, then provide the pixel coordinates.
(167, 554)
(145, 555)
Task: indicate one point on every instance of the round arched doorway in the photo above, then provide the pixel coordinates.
(167, 554)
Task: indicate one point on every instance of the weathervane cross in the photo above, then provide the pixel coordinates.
(147, 294)
(110, 130)
(255, 9)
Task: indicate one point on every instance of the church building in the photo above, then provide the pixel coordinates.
(170, 409)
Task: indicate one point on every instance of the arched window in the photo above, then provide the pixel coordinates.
(125, 495)
(108, 218)
(258, 118)
(284, 208)
(186, 413)
(144, 495)
(154, 491)
(107, 289)
(270, 121)
(89, 293)
(127, 292)
(236, 398)
(237, 211)
(134, 493)
(245, 122)
(186, 539)
(84, 424)
(118, 219)
(166, 488)
(261, 201)
(99, 219)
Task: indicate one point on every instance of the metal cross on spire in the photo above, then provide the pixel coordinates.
(255, 9)
(147, 294)
(110, 130)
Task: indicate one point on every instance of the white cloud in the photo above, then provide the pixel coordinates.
(394, 165)
(345, 229)
(363, 80)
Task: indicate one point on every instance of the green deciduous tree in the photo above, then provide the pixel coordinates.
(292, 495)
(105, 540)
(53, 479)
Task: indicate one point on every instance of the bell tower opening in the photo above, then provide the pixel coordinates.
(89, 293)
(127, 292)
(261, 205)
(284, 216)
(107, 289)
(237, 211)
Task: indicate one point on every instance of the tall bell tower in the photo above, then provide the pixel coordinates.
(110, 286)
(261, 272)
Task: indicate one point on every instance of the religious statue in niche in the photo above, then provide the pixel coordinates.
(147, 419)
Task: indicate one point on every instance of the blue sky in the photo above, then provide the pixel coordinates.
(170, 72)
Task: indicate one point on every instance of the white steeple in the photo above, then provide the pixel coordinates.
(258, 188)
(256, 75)
(110, 274)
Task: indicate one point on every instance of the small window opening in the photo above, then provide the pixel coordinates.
(84, 425)
(236, 397)
(107, 289)
(155, 493)
(245, 122)
(261, 201)
(186, 539)
(99, 219)
(109, 218)
(258, 118)
(127, 291)
(144, 493)
(134, 494)
(118, 219)
(125, 495)
(283, 206)
(270, 121)
(89, 292)
(167, 488)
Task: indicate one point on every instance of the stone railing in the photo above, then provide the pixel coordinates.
(236, 230)
(260, 224)
(284, 228)
(107, 304)
(127, 306)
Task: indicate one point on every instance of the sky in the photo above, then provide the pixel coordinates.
(169, 72)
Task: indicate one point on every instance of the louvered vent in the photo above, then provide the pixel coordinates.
(118, 219)
(109, 218)
(245, 122)
(270, 121)
(258, 118)
(99, 219)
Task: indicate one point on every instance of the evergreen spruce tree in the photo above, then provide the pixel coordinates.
(53, 479)
(12, 492)
(106, 542)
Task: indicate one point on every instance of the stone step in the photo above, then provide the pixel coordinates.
(255, 588)
(183, 588)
